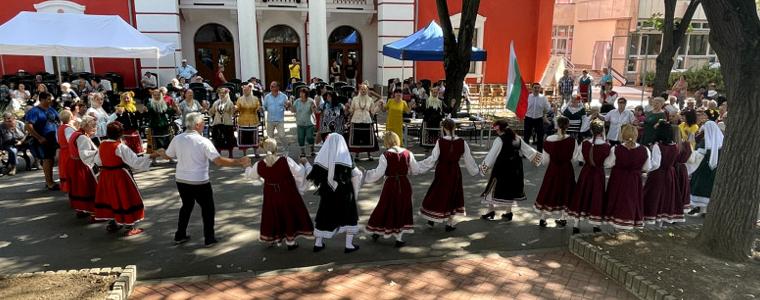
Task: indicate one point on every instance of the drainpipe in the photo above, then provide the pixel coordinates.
(130, 4)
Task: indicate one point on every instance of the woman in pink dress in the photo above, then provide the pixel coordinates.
(660, 202)
(625, 196)
(393, 214)
(284, 216)
(588, 199)
(445, 197)
(559, 181)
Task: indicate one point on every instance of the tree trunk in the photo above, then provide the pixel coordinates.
(457, 50)
(732, 212)
(673, 36)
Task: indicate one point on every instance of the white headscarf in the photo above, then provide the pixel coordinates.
(334, 151)
(713, 141)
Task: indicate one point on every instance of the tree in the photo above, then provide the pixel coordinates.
(735, 35)
(673, 34)
(457, 49)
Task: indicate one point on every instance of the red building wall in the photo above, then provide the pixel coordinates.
(527, 22)
(34, 64)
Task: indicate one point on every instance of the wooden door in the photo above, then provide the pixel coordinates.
(208, 56)
(277, 57)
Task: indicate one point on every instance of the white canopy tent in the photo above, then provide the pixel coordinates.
(61, 34)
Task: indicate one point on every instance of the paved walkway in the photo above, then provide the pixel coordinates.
(546, 275)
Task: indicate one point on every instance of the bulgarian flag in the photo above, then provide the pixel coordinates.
(517, 93)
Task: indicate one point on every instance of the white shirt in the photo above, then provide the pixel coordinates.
(87, 150)
(545, 159)
(490, 159)
(610, 161)
(537, 106)
(193, 152)
(129, 157)
(373, 175)
(432, 160)
(298, 171)
(617, 120)
(102, 118)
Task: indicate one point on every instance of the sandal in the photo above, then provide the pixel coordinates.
(135, 231)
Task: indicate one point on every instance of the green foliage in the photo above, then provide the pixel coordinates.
(695, 77)
(658, 22)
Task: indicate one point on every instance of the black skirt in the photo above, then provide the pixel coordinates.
(362, 138)
(337, 208)
(223, 136)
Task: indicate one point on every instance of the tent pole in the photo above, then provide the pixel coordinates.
(2, 62)
(92, 66)
(158, 75)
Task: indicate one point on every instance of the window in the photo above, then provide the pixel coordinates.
(562, 40)
(653, 45)
(698, 44)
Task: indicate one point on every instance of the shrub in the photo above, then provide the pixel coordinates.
(695, 77)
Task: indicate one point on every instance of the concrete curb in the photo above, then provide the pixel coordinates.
(120, 290)
(624, 274)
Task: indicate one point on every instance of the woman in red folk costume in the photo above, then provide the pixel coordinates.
(445, 197)
(65, 130)
(685, 155)
(559, 181)
(82, 153)
(393, 214)
(117, 198)
(588, 198)
(625, 199)
(284, 215)
(660, 193)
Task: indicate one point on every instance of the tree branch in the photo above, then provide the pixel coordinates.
(444, 18)
(668, 21)
(680, 32)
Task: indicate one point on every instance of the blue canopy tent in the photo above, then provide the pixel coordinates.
(352, 38)
(425, 45)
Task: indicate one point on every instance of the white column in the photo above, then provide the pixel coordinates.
(248, 37)
(318, 39)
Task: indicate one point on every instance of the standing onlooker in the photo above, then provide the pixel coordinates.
(295, 69)
(222, 115)
(350, 72)
(653, 117)
(41, 123)
(186, 71)
(605, 83)
(248, 107)
(275, 104)
(149, 81)
(334, 71)
(680, 88)
(617, 119)
(712, 91)
(584, 87)
(11, 136)
(566, 85)
(535, 117)
(304, 108)
(193, 152)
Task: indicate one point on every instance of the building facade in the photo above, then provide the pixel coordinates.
(259, 38)
(593, 34)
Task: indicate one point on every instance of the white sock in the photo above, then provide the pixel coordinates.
(318, 243)
(542, 215)
(290, 243)
(509, 208)
(350, 241)
(450, 221)
(563, 216)
(491, 207)
(398, 236)
(577, 222)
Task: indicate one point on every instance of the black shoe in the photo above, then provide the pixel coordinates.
(576, 230)
(399, 244)
(450, 228)
(488, 216)
(211, 243)
(430, 223)
(507, 217)
(292, 247)
(181, 240)
(349, 250)
(317, 248)
(695, 211)
(82, 215)
(561, 223)
(597, 229)
(55, 187)
(542, 223)
(580, 164)
(375, 237)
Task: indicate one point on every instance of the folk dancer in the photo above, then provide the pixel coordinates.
(362, 136)
(222, 115)
(64, 132)
(588, 198)
(625, 195)
(248, 107)
(82, 181)
(559, 181)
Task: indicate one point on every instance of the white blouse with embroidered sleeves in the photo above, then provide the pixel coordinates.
(87, 150)
(525, 150)
(129, 157)
(578, 155)
(469, 161)
(299, 173)
(610, 161)
(373, 175)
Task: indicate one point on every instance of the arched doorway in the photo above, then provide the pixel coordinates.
(281, 45)
(214, 46)
(345, 43)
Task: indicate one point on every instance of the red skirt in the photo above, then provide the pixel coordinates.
(63, 161)
(660, 197)
(588, 198)
(683, 189)
(132, 139)
(557, 188)
(82, 186)
(445, 197)
(393, 213)
(117, 197)
(625, 200)
(283, 214)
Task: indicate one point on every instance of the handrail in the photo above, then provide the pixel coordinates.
(618, 76)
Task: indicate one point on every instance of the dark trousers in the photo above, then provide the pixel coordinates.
(190, 194)
(535, 125)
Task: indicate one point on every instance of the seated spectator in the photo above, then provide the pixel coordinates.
(11, 138)
(83, 88)
(68, 96)
(97, 86)
(149, 81)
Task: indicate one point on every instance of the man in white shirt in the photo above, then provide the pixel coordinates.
(186, 71)
(149, 81)
(617, 118)
(535, 117)
(193, 152)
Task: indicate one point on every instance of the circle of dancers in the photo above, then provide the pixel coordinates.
(645, 186)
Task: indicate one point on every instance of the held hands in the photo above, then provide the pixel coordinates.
(536, 159)
(244, 161)
(303, 161)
